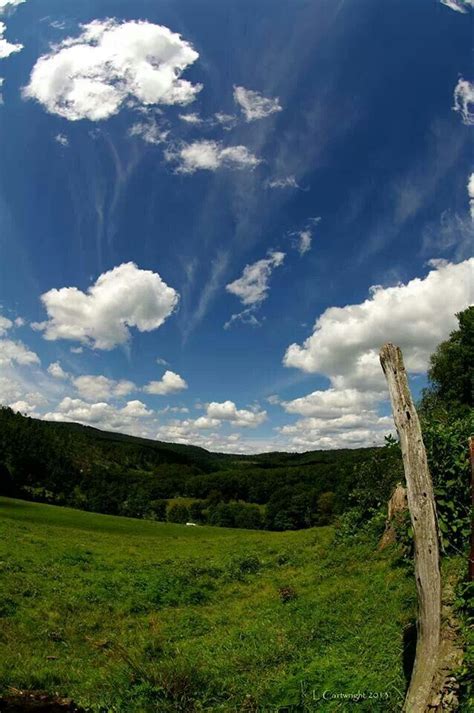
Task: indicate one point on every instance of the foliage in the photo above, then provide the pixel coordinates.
(132, 616)
(448, 459)
(451, 372)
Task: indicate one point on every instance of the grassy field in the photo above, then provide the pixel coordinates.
(128, 615)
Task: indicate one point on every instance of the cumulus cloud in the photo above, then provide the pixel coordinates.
(332, 403)
(5, 325)
(6, 5)
(191, 118)
(57, 372)
(120, 298)
(24, 408)
(228, 411)
(168, 384)
(457, 5)
(100, 388)
(254, 105)
(210, 156)
(252, 287)
(92, 76)
(470, 192)
(7, 48)
(200, 431)
(352, 430)
(101, 414)
(463, 100)
(185, 432)
(12, 352)
(417, 316)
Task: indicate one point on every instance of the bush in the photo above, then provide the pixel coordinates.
(178, 513)
(448, 459)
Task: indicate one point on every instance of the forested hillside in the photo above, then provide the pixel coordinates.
(112, 473)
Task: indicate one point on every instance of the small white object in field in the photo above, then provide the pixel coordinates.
(190, 524)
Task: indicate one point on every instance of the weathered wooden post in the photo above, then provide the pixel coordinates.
(422, 508)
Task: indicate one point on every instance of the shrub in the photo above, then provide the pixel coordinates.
(448, 459)
(178, 513)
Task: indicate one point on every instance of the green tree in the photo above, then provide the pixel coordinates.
(178, 513)
(451, 372)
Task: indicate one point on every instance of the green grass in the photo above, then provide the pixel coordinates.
(128, 615)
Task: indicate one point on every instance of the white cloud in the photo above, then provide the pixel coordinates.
(463, 100)
(186, 433)
(168, 384)
(62, 140)
(57, 372)
(102, 415)
(92, 76)
(24, 407)
(302, 239)
(247, 316)
(332, 403)
(457, 5)
(227, 121)
(352, 430)
(192, 118)
(210, 156)
(417, 316)
(120, 298)
(254, 105)
(305, 238)
(252, 287)
(6, 5)
(7, 48)
(285, 182)
(100, 388)
(161, 362)
(470, 192)
(16, 353)
(5, 325)
(14, 389)
(150, 131)
(228, 411)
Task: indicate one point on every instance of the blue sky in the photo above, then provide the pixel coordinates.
(213, 214)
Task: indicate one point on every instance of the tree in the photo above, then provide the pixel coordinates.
(451, 372)
(178, 513)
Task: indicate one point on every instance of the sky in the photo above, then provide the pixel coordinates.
(213, 215)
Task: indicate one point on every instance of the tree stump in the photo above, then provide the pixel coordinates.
(396, 506)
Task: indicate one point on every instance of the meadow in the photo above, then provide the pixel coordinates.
(130, 615)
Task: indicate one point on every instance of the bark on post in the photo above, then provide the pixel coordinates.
(422, 508)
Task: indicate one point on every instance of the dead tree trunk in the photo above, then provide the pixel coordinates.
(423, 517)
